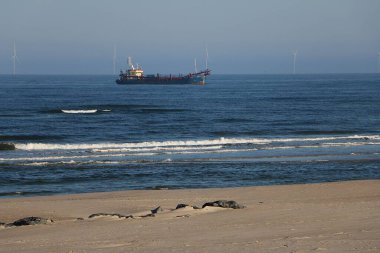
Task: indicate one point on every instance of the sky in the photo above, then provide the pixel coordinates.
(241, 36)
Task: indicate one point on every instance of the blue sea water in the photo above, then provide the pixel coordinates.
(86, 134)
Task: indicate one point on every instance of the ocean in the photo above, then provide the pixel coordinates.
(77, 134)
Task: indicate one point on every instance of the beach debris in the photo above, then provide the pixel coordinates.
(156, 210)
(30, 221)
(7, 146)
(186, 205)
(152, 213)
(181, 206)
(219, 203)
(224, 204)
(120, 216)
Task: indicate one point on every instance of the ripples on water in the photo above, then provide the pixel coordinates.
(85, 133)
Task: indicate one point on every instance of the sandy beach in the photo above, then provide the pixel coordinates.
(329, 217)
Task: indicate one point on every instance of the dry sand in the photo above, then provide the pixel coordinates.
(332, 217)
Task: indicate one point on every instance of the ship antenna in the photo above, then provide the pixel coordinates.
(295, 52)
(114, 59)
(195, 65)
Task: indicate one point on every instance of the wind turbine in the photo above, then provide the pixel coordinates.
(130, 64)
(295, 52)
(378, 62)
(114, 60)
(14, 58)
(206, 58)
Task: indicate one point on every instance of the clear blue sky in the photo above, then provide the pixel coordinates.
(242, 36)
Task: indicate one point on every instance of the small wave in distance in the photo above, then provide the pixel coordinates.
(80, 111)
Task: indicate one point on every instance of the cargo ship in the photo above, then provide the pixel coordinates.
(135, 75)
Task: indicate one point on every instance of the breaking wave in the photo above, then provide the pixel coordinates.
(220, 149)
(209, 143)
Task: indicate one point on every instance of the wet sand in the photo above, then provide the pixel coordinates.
(329, 217)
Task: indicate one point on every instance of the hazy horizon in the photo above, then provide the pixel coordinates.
(242, 37)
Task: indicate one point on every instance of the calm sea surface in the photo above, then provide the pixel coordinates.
(85, 133)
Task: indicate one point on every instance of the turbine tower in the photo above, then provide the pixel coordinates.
(295, 52)
(130, 64)
(206, 58)
(114, 60)
(14, 58)
(378, 62)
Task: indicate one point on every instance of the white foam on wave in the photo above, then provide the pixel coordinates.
(37, 164)
(113, 150)
(74, 158)
(102, 147)
(80, 111)
(63, 158)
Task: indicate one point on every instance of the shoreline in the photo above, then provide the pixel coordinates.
(329, 217)
(158, 189)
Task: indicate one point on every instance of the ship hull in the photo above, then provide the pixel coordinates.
(135, 76)
(162, 81)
